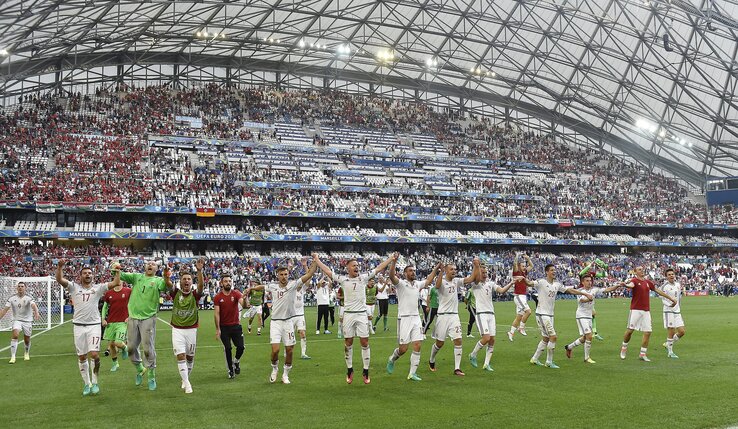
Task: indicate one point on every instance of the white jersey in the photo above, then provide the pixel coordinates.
(300, 302)
(283, 299)
(385, 293)
(407, 297)
(424, 297)
(354, 291)
(585, 309)
(547, 295)
(322, 295)
(448, 295)
(85, 303)
(674, 290)
(21, 307)
(483, 296)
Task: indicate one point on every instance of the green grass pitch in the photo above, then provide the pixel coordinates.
(695, 391)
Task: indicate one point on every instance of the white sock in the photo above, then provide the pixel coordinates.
(477, 347)
(190, 365)
(488, 355)
(414, 362)
(550, 351)
(434, 352)
(587, 348)
(366, 355)
(183, 371)
(395, 355)
(522, 325)
(28, 347)
(643, 351)
(275, 366)
(93, 374)
(457, 357)
(13, 347)
(624, 345)
(577, 342)
(539, 349)
(670, 345)
(676, 338)
(349, 356)
(512, 329)
(303, 346)
(287, 369)
(84, 371)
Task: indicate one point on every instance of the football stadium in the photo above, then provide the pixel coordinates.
(319, 214)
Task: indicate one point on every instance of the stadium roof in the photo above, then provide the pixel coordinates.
(596, 72)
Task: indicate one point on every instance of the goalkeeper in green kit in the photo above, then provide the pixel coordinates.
(143, 306)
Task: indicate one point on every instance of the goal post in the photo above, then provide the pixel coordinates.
(45, 292)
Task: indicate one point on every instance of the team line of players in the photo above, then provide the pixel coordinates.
(129, 315)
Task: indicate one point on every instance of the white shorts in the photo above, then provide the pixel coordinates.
(252, 311)
(673, 320)
(184, 341)
(409, 329)
(25, 327)
(282, 331)
(355, 325)
(447, 325)
(639, 320)
(486, 324)
(585, 325)
(299, 323)
(546, 325)
(87, 338)
(370, 310)
(521, 304)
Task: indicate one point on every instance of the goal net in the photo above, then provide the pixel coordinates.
(46, 293)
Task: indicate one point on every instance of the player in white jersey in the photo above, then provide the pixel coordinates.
(282, 328)
(353, 288)
(483, 290)
(673, 322)
(585, 315)
(409, 325)
(448, 325)
(25, 311)
(87, 320)
(299, 322)
(547, 289)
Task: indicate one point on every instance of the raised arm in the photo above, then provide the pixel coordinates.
(104, 314)
(573, 291)
(507, 287)
(516, 262)
(383, 266)
(116, 278)
(439, 279)
(392, 271)
(530, 263)
(614, 287)
(323, 267)
(433, 274)
(167, 275)
(310, 272)
(200, 264)
(475, 274)
(60, 275)
(3, 311)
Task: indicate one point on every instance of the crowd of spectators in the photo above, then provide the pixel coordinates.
(47, 153)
